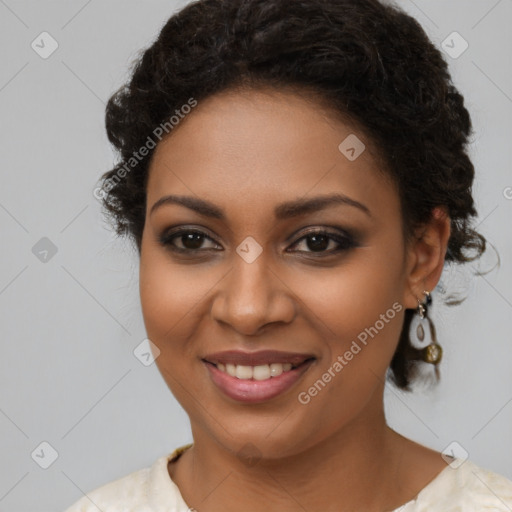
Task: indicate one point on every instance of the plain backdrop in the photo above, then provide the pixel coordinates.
(73, 396)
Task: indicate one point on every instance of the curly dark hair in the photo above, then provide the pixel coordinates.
(367, 61)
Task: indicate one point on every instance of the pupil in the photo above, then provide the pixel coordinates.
(192, 240)
(319, 242)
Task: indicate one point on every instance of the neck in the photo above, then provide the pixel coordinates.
(356, 468)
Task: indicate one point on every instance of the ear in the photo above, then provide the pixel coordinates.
(425, 257)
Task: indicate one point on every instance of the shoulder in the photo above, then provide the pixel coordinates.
(464, 486)
(486, 489)
(144, 490)
(128, 491)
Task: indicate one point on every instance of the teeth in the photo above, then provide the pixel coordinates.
(260, 372)
(243, 372)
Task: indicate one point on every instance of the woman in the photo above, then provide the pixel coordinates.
(294, 176)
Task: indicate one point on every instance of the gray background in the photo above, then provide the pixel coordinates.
(68, 375)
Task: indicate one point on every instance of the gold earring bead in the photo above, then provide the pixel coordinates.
(432, 353)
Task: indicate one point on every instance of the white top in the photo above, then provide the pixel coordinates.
(461, 486)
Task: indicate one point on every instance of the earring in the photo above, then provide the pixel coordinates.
(433, 352)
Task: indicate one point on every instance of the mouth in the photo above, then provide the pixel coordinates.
(258, 376)
(259, 372)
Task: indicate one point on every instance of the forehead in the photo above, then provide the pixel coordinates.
(258, 148)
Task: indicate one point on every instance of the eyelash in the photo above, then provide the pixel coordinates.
(345, 242)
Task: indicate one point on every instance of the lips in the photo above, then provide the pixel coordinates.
(237, 357)
(253, 377)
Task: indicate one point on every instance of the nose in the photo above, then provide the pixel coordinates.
(252, 296)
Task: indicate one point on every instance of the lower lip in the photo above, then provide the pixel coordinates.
(254, 391)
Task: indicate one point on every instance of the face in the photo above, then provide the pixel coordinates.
(252, 256)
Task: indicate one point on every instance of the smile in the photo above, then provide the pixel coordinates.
(270, 374)
(260, 372)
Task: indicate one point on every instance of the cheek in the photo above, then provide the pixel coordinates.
(356, 306)
(169, 296)
(358, 315)
(355, 293)
(171, 306)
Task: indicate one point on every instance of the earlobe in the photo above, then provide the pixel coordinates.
(427, 255)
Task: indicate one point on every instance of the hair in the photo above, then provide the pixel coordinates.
(367, 61)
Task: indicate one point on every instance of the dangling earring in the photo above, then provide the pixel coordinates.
(433, 352)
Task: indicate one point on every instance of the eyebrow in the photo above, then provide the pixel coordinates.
(283, 211)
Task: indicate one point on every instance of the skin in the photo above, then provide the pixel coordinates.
(247, 152)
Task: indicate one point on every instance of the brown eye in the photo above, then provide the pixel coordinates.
(322, 242)
(325, 242)
(186, 240)
(191, 240)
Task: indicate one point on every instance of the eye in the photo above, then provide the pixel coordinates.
(318, 241)
(186, 240)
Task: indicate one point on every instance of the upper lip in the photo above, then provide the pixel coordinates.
(238, 357)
